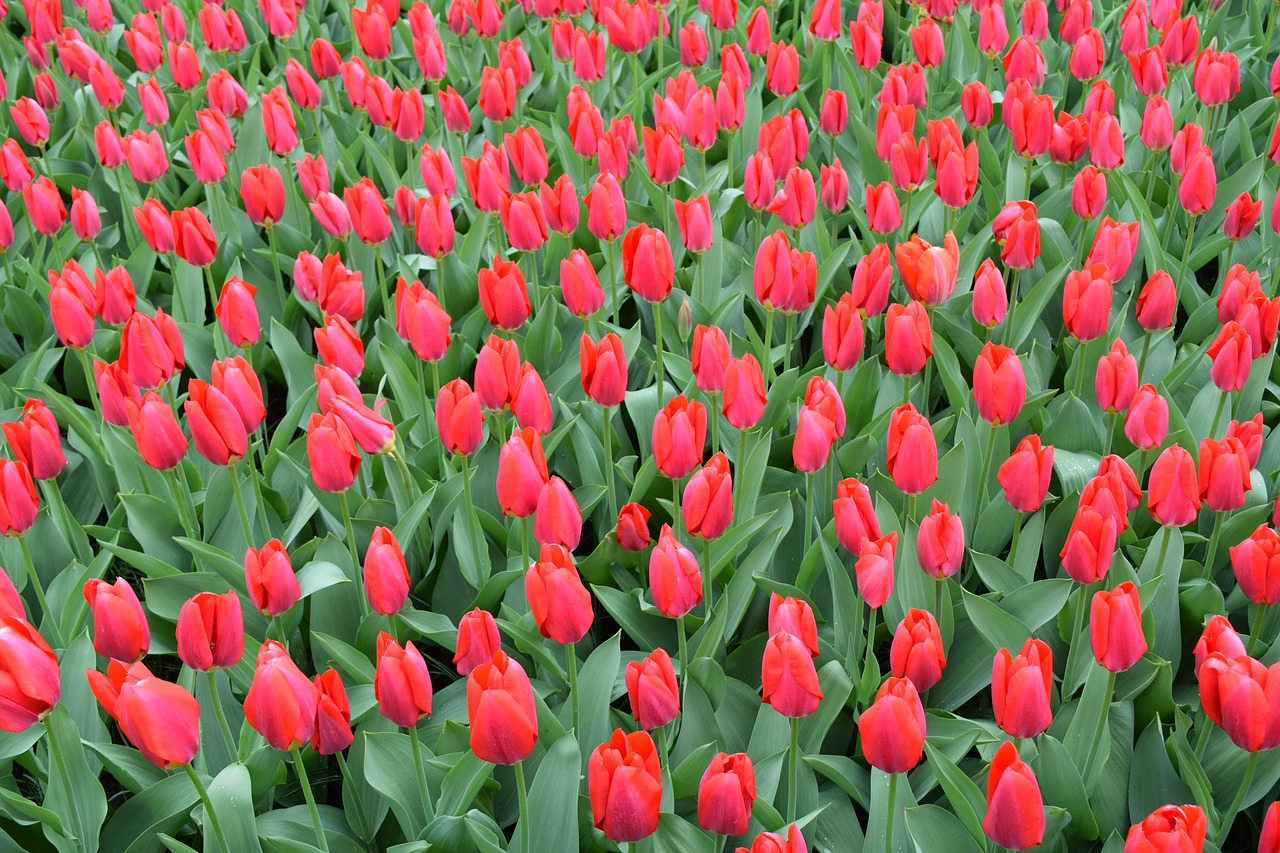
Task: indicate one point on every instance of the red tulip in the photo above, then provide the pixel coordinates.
(784, 278)
(1020, 689)
(912, 454)
(210, 631)
(707, 506)
(1218, 636)
(940, 542)
(501, 711)
(1015, 808)
(331, 452)
(401, 682)
(561, 605)
(1168, 828)
(1116, 380)
(557, 519)
(892, 729)
(675, 580)
(679, 433)
(999, 387)
(158, 717)
(156, 432)
(928, 272)
(1086, 302)
(855, 516)
(1173, 494)
(459, 419)
(908, 338)
(1223, 474)
(1231, 352)
(386, 577)
(281, 703)
(31, 684)
(646, 263)
(36, 442)
(789, 681)
(120, 628)
(1115, 627)
(151, 349)
(727, 792)
(1199, 186)
(71, 307)
(236, 379)
(917, 653)
(238, 313)
(744, 395)
(478, 640)
(653, 691)
(875, 568)
(1242, 696)
(624, 784)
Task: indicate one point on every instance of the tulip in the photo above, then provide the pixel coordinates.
(1239, 695)
(71, 307)
(238, 313)
(156, 432)
(917, 653)
(892, 729)
(281, 703)
(31, 683)
(120, 628)
(624, 784)
(855, 516)
(707, 506)
(331, 452)
(1218, 636)
(1223, 474)
(501, 711)
(36, 442)
(158, 717)
(1086, 302)
(652, 690)
(726, 793)
(216, 426)
(522, 473)
(990, 301)
(557, 519)
(1115, 627)
(694, 220)
(1173, 493)
(1147, 421)
(603, 368)
(675, 581)
(875, 568)
(1020, 689)
(401, 682)
(1256, 563)
(1168, 828)
(912, 453)
(908, 338)
(773, 842)
(929, 272)
(1015, 808)
(999, 387)
(561, 605)
(1199, 186)
(459, 420)
(210, 631)
(679, 434)
(940, 542)
(1231, 352)
(789, 681)
(386, 577)
(1116, 380)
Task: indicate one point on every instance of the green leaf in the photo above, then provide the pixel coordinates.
(933, 828)
(553, 798)
(390, 770)
(74, 792)
(462, 782)
(963, 794)
(231, 794)
(161, 808)
(318, 575)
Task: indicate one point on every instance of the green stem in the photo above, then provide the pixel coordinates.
(310, 798)
(70, 526)
(179, 500)
(1260, 620)
(39, 590)
(1111, 433)
(275, 259)
(1081, 352)
(793, 765)
(89, 378)
(1212, 551)
(889, 813)
(1217, 415)
(608, 464)
(786, 350)
(1232, 810)
(986, 467)
(807, 499)
(675, 507)
(571, 654)
(355, 552)
(419, 768)
(714, 416)
(615, 270)
(768, 345)
(1098, 729)
(236, 490)
(211, 675)
(684, 666)
(1186, 252)
(657, 326)
(210, 815)
(1017, 531)
(1078, 627)
(522, 793)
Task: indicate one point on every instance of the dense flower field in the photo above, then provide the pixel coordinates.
(623, 425)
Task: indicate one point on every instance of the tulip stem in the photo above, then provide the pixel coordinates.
(210, 815)
(683, 647)
(1098, 729)
(420, 771)
(39, 590)
(615, 269)
(179, 499)
(1142, 360)
(219, 712)
(275, 259)
(523, 794)
(1081, 352)
(240, 507)
(768, 344)
(1212, 551)
(1217, 415)
(1078, 626)
(793, 764)
(986, 468)
(1111, 432)
(608, 464)
(1260, 620)
(786, 350)
(807, 500)
(888, 813)
(571, 654)
(89, 378)
(1230, 815)
(355, 551)
(657, 327)
(1017, 531)
(675, 506)
(715, 423)
(310, 798)
(1186, 251)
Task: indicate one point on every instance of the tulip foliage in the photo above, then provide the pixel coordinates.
(631, 425)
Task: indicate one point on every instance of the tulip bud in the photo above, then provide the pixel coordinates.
(789, 681)
(652, 690)
(1015, 808)
(120, 629)
(892, 729)
(1020, 689)
(624, 785)
(210, 631)
(917, 652)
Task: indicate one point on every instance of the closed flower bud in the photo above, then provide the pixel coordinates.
(210, 631)
(892, 729)
(1015, 808)
(158, 717)
(502, 711)
(653, 690)
(561, 605)
(1020, 689)
(789, 681)
(940, 542)
(1115, 627)
(624, 785)
(1173, 494)
(917, 653)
